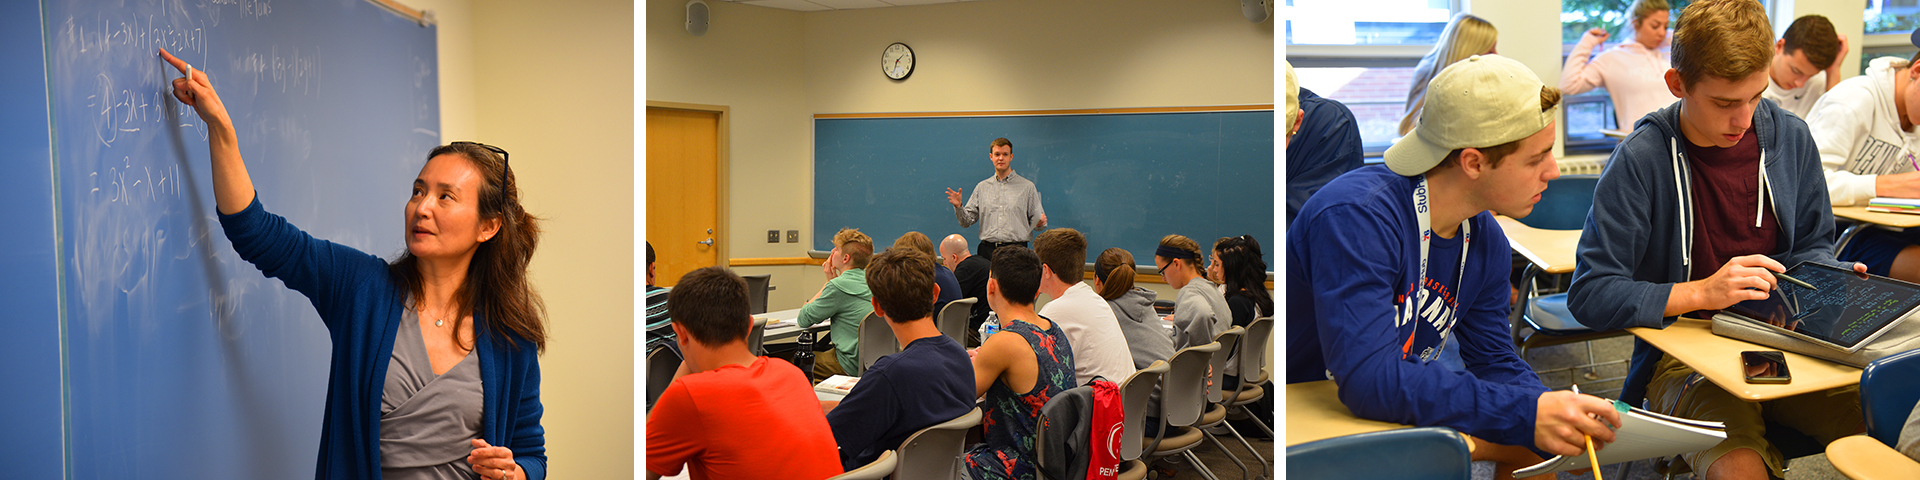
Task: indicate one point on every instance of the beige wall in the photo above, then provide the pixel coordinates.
(552, 82)
(776, 68)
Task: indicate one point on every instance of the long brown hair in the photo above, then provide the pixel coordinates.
(1114, 269)
(496, 288)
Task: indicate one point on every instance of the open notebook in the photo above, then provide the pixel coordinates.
(1642, 435)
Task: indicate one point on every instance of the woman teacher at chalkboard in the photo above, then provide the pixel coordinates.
(1006, 205)
(435, 371)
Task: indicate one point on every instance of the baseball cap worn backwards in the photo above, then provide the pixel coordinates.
(1483, 101)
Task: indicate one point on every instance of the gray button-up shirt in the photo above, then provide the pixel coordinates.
(1007, 210)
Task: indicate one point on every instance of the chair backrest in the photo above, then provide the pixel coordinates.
(876, 340)
(1183, 388)
(1565, 203)
(757, 336)
(953, 319)
(935, 452)
(1043, 429)
(1254, 369)
(757, 286)
(1229, 341)
(880, 468)
(1888, 393)
(661, 363)
(1133, 397)
(1430, 453)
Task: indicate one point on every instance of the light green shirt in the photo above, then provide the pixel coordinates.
(846, 301)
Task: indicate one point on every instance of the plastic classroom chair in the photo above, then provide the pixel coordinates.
(757, 336)
(661, 363)
(876, 340)
(953, 319)
(1429, 453)
(878, 469)
(1216, 408)
(935, 452)
(1183, 395)
(1134, 393)
(757, 287)
(1546, 320)
(1888, 392)
(1253, 372)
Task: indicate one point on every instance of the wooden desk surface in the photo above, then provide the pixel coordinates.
(1550, 250)
(1718, 358)
(1860, 214)
(1314, 412)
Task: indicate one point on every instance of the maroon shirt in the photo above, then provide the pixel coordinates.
(1726, 193)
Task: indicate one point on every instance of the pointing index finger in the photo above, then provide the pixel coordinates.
(177, 63)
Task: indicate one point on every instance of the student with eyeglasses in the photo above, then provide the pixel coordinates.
(435, 370)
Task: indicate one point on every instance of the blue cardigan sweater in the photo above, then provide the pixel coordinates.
(361, 306)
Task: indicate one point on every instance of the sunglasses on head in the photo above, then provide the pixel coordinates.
(491, 148)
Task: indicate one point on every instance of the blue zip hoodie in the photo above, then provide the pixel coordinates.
(1639, 235)
(1356, 247)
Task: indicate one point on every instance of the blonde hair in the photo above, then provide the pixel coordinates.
(858, 247)
(1465, 36)
(1728, 39)
(1641, 9)
(1177, 241)
(1293, 96)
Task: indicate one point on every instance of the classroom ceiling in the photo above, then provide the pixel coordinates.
(818, 5)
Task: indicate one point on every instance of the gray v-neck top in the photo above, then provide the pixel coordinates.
(427, 421)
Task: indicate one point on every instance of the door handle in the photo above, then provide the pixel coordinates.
(707, 242)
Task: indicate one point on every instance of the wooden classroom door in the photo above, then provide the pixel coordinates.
(682, 191)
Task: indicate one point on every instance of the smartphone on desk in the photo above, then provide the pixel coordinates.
(1765, 366)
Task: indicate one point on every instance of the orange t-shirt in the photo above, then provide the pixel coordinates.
(759, 421)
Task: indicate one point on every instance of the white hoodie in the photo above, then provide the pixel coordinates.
(1857, 128)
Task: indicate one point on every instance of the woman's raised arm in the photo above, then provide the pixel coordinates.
(232, 188)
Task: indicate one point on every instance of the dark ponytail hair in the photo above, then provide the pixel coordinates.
(1245, 271)
(1114, 268)
(496, 289)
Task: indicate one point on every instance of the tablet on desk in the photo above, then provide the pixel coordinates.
(1844, 310)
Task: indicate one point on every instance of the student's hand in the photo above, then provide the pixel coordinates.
(1594, 36)
(494, 463)
(1898, 185)
(1837, 60)
(1043, 221)
(194, 90)
(827, 268)
(953, 196)
(1742, 278)
(1563, 419)
(1859, 268)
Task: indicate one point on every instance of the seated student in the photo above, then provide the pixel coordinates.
(844, 299)
(1099, 349)
(1132, 308)
(1864, 130)
(1322, 142)
(1465, 36)
(1199, 311)
(971, 271)
(1673, 231)
(1806, 64)
(1631, 70)
(929, 382)
(1389, 261)
(1237, 262)
(1017, 369)
(949, 287)
(723, 391)
(659, 329)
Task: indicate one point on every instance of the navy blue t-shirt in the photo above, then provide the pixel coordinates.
(949, 288)
(929, 382)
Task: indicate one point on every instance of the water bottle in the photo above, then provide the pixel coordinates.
(988, 327)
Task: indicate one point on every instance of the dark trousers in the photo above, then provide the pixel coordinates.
(986, 248)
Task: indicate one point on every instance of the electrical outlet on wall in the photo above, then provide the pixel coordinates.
(793, 236)
(773, 236)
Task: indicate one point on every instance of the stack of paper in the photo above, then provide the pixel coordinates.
(1894, 205)
(1642, 435)
(837, 384)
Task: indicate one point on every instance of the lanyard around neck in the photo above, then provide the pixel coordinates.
(1425, 216)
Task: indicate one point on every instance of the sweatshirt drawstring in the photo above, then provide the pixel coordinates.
(1680, 195)
(1762, 194)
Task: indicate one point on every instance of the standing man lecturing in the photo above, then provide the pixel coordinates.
(1006, 205)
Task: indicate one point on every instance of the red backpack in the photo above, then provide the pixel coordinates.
(1108, 428)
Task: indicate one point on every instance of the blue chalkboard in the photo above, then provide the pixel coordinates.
(1124, 180)
(183, 361)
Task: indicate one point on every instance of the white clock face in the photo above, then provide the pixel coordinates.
(897, 61)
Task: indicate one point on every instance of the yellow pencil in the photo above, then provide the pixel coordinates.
(1591, 457)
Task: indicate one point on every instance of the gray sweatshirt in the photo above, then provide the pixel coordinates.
(1145, 337)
